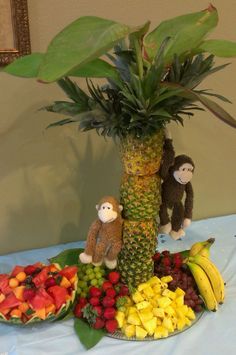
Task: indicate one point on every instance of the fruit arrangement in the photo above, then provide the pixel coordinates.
(99, 307)
(37, 292)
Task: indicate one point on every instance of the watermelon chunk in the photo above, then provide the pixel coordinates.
(69, 271)
(41, 277)
(10, 302)
(4, 284)
(59, 294)
(41, 300)
(17, 269)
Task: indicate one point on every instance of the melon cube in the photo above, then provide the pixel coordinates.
(140, 332)
(2, 297)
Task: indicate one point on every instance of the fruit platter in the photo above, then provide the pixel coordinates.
(184, 285)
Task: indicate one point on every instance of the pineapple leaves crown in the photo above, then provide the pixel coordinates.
(151, 77)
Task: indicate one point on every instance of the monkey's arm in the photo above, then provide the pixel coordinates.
(92, 237)
(168, 158)
(188, 206)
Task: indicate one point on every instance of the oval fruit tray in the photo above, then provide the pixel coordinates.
(37, 293)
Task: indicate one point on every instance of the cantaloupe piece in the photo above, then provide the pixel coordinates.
(65, 282)
(41, 313)
(19, 291)
(50, 309)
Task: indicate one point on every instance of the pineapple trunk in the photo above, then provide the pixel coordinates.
(140, 196)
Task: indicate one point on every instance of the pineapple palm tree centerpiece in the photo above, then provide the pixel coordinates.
(151, 79)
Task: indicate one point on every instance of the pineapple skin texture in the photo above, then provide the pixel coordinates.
(154, 311)
(140, 196)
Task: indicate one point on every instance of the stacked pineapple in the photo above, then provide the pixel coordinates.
(154, 310)
(140, 196)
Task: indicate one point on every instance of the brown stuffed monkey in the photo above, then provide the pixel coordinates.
(104, 240)
(176, 173)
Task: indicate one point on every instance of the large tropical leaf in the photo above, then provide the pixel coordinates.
(186, 33)
(219, 47)
(88, 336)
(84, 40)
(26, 67)
(212, 106)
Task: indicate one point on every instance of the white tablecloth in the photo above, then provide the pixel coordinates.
(214, 333)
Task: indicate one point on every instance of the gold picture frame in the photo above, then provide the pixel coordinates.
(14, 30)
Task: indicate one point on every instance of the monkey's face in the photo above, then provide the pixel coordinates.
(184, 174)
(106, 213)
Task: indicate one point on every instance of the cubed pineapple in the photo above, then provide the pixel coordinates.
(145, 315)
(150, 325)
(148, 292)
(140, 332)
(169, 293)
(170, 310)
(158, 312)
(131, 310)
(167, 323)
(160, 332)
(184, 309)
(142, 286)
(129, 330)
(120, 316)
(190, 314)
(157, 289)
(143, 304)
(179, 313)
(181, 323)
(179, 301)
(134, 319)
(154, 281)
(179, 292)
(187, 321)
(163, 302)
(167, 279)
(137, 297)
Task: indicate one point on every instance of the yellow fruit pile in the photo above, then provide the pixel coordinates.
(154, 310)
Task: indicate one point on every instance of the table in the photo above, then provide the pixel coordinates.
(214, 333)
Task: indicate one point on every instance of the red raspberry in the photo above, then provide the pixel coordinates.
(109, 313)
(111, 292)
(114, 277)
(94, 301)
(99, 323)
(106, 285)
(108, 301)
(111, 325)
(95, 292)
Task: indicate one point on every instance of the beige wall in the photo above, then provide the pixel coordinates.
(51, 180)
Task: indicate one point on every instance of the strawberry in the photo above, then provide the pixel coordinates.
(111, 325)
(83, 301)
(108, 301)
(124, 290)
(99, 323)
(94, 301)
(114, 277)
(78, 311)
(109, 313)
(106, 285)
(111, 292)
(98, 309)
(28, 294)
(30, 269)
(95, 292)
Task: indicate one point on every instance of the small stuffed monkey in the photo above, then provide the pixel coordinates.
(104, 240)
(176, 173)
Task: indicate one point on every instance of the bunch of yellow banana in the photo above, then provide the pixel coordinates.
(208, 278)
(202, 248)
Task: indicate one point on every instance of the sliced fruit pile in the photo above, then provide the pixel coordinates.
(165, 264)
(99, 308)
(154, 310)
(37, 292)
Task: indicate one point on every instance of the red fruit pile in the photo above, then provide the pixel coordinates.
(99, 308)
(165, 264)
(36, 292)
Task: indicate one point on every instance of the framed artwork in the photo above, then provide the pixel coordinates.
(14, 30)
